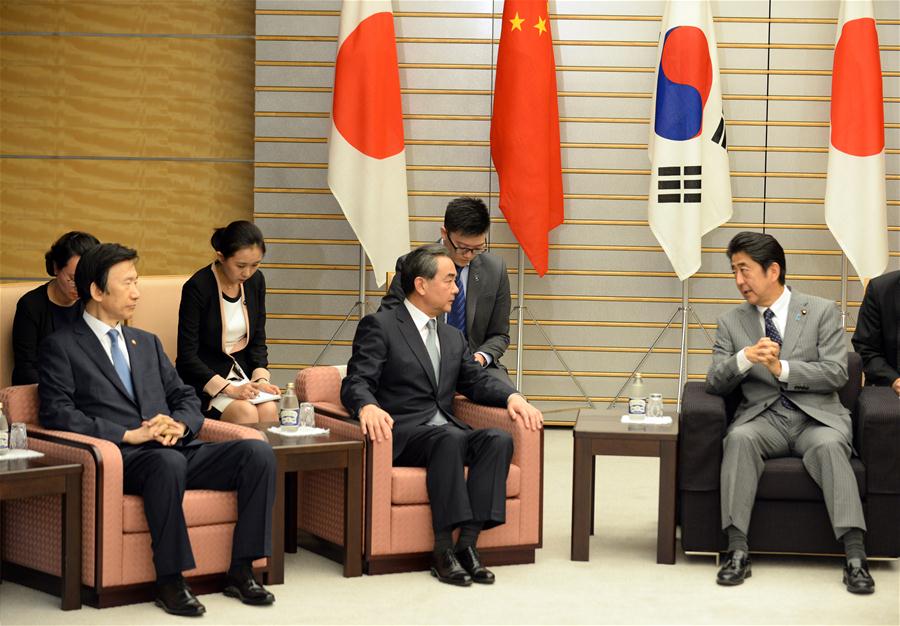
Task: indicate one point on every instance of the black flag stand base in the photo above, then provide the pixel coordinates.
(520, 309)
(359, 304)
(687, 311)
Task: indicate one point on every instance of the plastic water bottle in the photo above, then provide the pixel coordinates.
(637, 397)
(289, 411)
(4, 432)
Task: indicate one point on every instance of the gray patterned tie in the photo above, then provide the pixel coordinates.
(432, 348)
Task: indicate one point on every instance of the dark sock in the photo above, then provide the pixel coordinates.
(443, 539)
(240, 566)
(468, 535)
(855, 544)
(737, 540)
(168, 578)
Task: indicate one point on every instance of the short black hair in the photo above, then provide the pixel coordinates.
(421, 262)
(761, 247)
(93, 268)
(467, 216)
(73, 243)
(237, 236)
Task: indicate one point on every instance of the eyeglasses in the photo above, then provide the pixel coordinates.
(467, 250)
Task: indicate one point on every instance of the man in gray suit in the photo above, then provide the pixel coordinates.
(788, 354)
(481, 309)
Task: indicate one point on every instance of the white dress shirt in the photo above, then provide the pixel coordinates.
(100, 329)
(421, 319)
(780, 310)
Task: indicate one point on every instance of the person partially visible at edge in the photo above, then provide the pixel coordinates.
(222, 329)
(103, 379)
(877, 335)
(51, 306)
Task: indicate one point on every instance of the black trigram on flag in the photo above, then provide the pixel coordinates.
(719, 136)
(672, 182)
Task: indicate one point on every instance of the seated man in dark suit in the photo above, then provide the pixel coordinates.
(406, 367)
(877, 336)
(787, 353)
(481, 310)
(103, 379)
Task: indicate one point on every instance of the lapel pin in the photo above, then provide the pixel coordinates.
(133, 342)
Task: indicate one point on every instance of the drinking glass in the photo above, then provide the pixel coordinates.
(18, 437)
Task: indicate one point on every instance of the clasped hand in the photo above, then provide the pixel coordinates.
(160, 428)
(766, 352)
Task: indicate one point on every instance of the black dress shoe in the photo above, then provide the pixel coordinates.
(244, 587)
(735, 568)
(447, 569)
(470, 561)
(178, 599)
(857, 578)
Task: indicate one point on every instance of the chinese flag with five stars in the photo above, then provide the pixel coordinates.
(525, 128)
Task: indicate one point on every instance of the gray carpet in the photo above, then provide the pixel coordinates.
(622, 584)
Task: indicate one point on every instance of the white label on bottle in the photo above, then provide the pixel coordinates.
(637, 406)
(4, 441)
(289, 417)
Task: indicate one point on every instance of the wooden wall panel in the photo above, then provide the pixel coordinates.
(610, 289)
(129, 119)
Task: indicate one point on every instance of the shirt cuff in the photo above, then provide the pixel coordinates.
(215, 386)
(785, 371)
(743, 363)
(488, 359)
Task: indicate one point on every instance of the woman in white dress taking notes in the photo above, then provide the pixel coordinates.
(222, 330)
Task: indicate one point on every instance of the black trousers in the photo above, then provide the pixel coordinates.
(445, 451)
(161, 475)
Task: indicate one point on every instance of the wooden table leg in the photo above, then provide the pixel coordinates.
(276, 561)
(665, 539)
(581, 498)
(353, 514)
(291, 480)
(71, 544)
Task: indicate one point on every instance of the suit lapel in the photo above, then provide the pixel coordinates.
(794, 323)
(473, 289)
(750, 322)
(139, 357)
(414, 339)
(91, 346)
(446, 337)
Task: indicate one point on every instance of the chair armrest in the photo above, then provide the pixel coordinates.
(216, 431)
(879, 439)
(701, 427)
(528, 455)
(101, 492)
(526, 443)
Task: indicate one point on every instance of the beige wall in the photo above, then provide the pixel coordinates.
(131, 119)
(610, 288)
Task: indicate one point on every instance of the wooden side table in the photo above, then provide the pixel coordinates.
(317, 452)
(44, 476)
(600, 431)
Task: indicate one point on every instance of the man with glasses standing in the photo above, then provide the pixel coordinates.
(481, 309)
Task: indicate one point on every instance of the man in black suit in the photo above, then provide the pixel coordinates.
(481, 310)
(103, 379)
(406, 367)
(877, 336)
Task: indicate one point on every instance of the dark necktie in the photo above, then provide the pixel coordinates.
(773, 334)
(457, 315)
(120, 363)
